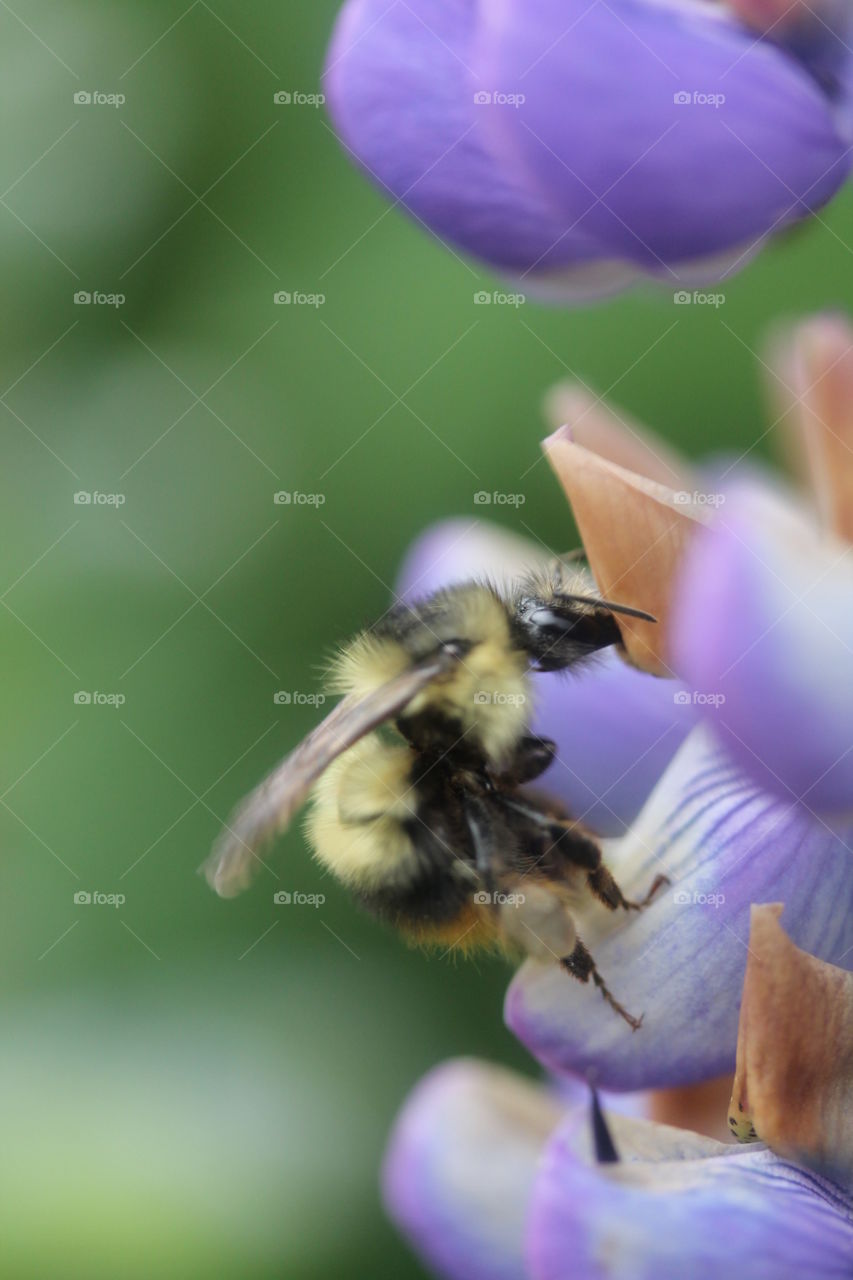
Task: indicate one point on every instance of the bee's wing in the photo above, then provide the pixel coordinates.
(271, 806)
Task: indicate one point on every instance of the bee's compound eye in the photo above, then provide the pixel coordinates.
(548, 620)
(455, 648)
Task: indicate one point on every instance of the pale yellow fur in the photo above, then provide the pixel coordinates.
(487, 692)
(354, 824)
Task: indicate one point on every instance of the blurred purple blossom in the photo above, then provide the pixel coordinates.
(579, 146)
(493, 1178)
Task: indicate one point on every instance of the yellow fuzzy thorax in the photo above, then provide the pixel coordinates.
(487, 693)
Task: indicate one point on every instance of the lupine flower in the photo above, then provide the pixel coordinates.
(710, 820)
(582, 146)
(492, 1178)
(753, 583)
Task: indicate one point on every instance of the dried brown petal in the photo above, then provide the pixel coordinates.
(635, 531)
(813, 389)
(794, 1076)
(613, 434)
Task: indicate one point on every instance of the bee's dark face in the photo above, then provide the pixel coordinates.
(557, 634)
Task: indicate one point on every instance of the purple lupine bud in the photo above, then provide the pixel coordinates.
(579, 146)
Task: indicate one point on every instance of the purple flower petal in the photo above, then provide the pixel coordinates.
(461, 1165)
(595, 171)
(606, 138)
(616, 731)
(681, 962)
(668, 1212)
(765, 624)
(401, 92)
(616, 728)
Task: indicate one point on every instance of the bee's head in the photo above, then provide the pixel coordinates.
(558, 630)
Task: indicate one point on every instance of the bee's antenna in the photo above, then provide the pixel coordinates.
(596, 603)
(605, 1147)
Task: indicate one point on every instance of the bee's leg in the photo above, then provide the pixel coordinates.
(606, 889)
(482, 841)
(582, 851)
(532, 757)
(571, 843)
(581, 965)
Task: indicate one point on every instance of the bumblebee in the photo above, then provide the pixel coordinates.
(419, 778)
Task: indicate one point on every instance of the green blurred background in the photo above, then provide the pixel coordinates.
(192, 1087)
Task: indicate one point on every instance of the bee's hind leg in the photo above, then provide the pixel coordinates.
(605, 888)
(581, 965)
(572, 846)
(582, 851)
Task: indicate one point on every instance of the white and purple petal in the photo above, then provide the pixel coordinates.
(724, 844)
(679, 1205)
(764, 629)
(616, 728)
(491, 1178)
